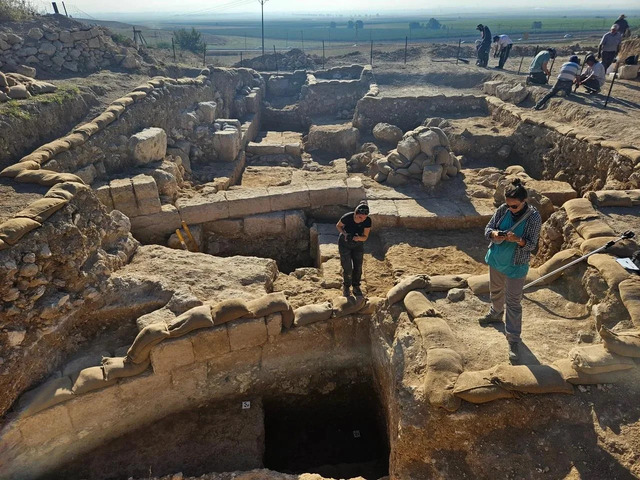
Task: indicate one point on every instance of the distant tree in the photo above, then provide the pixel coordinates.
(189, 40)
(536, 26)
(359, 24)
(350, 24)
(433, 24)
(414, 25)
(332, 25)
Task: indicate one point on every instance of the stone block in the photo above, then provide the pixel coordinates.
(247, 333)
(47, 425)
(383, 213)
(271, 223)
(431, 175)
(104, 195)
(207, 112)
(123, 196)
(226, 228)
(156, 228)
(309, 346)
(260, 148)
(556, 191)
(203, 209)
(331, 273)
(234, 372)
(289, 197)
(191, 381)
(146, 192)
(328, 250)
(171, 354)
(244, 202)
(328, 192)
(226, 143)
(210, 343)
(293, 149)
(355, 191)
(294, 222)
(274, 325)
(149, 145)
(146, 386)
(88, 174)
(95, 413)
(339, 139)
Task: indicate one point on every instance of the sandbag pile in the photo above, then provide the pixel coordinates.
(423, 154)
(338, 307)
(14, 86)
(404, 286)
(614, 198)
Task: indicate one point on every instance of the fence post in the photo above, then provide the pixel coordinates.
(241, 59)
(302, 36)
(173, 45)
(275, 55)
(371, 56)
(613, 80)
(459, 46)
(406, 44)
(323, 54)
(204, 55)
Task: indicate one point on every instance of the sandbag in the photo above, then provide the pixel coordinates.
(228, 310)
(66, 190)
(88, 129)
(267, 304)
(371, 305)
(611, 198)
(444, 366)
(104, 119)
(444, 283)
(125, 101)
(146, 88)
(343, 306)
(612, 272)
(47, 178)
(530, 379)
(308, 314)
(55, 147)
(46, 395)
(626, 343)
(475, 387)
(42, 209)
(137, 96)
(90, 379)
(39, 157)
(14, 229)
(117, 110)
(75, 139)
(435, 333)
(288, 317)
(407, 284)
(630, 295)
(593, 228)
(579, 209)
(560, 259)
(418, 305)
(4, 245)
(13, 170)
(596, 359)
(146, 339)
(623, 248)
(479, 284)
(575, 377)
(194, 319)
(122, 367)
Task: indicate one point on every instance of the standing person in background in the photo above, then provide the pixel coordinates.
(503, 48)
(539, 69)
(609, 46)
(594, 76)
(354, 228)
(623, 26)
(566, 78)
(485, 46)
(513, 231)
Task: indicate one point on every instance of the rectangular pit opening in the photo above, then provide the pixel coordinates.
(340, 434)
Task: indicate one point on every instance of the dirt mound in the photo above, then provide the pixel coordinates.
(398, 55)
(294, 59)
(630, 47)
(443, 50)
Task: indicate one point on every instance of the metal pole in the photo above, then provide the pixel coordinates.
(624, 236)
(275, 55)
(204, 55)
(55, 8)
(262, 2)
(584, 60)
(173, 45)
(323, 54)
(458, 55)
(371, 56)
(520, 67)
(615, 74)
(241, 60)
(302, 37)
(65, 9)
(551, 69)
(406, 44)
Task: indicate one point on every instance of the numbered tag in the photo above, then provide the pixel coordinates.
(356, 434)
(246, 405)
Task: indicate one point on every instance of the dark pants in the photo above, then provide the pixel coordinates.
(504, 55)
(592, 85)
(351, 256)
(539, 78)
(483, 54)
(607, 59)
(565, 85)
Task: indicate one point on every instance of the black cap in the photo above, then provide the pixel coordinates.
(480, 26)
(362, 208)
(552, 51)
(574, 59)
(590, 58)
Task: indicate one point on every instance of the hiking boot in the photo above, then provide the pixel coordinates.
(357, 292)
(346, 291)
(490, 318)
(514, 352)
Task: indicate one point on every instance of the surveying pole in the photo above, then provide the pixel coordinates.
(262, 2)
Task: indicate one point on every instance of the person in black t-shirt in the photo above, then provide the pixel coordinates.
(354, 228)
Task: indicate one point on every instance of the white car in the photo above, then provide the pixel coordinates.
(568, 35)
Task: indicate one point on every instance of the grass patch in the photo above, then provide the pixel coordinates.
(17, 109)
(64, 93)
(13, 108)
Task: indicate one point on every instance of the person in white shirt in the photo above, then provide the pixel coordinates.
(503, 48)
(594, 76)
(567, 76)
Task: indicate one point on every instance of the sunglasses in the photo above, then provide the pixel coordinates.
(514, 207)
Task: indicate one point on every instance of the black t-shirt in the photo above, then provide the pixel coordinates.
(353, 228)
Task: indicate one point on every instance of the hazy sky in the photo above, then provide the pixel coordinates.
(352, 6)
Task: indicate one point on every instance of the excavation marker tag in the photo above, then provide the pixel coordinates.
(246, 405)
(356, 434)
